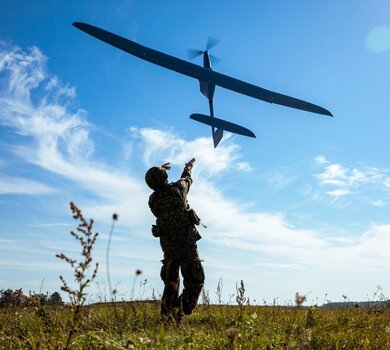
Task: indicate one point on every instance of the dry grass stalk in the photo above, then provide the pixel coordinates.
(112, 292)
(77, 296)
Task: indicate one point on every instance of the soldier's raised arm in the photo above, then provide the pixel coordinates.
(186, 180)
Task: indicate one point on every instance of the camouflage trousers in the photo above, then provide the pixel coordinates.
(173, 305)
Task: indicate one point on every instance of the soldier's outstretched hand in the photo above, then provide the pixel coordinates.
(190, 163)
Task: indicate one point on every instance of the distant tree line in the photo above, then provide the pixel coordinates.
(9, 297)
(366, 304)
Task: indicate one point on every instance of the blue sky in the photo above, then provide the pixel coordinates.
(303, 207)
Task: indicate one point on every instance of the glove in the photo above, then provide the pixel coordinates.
(190, 164)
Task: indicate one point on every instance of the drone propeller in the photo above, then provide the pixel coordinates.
(193, 53)
(211, 42)
(215, 59)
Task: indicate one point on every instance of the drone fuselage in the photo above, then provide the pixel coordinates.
(207, 88)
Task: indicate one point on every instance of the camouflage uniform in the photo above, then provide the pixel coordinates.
(178, 236)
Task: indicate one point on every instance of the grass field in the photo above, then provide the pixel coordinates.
(137, 325)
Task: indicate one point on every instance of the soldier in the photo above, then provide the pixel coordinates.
(175, 226)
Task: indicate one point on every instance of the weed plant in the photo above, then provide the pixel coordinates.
(77, 296)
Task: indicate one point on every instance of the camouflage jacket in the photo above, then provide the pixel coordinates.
(170, 207)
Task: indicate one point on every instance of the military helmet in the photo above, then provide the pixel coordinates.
(156, 177)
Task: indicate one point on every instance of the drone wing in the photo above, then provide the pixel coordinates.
(265, 95)
(198, 72)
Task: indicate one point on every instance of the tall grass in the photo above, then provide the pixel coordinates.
(137, 325)
(210, 327)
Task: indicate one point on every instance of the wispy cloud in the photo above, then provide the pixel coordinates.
(379, 203)
(52, 224)
(236, 225)
(341, 181)
(334, 174)
(338, 193)
(321, 159)
(17, 185)
(244, 166)
(160, 146)
(276, 265)
(279, 178)
(56, 136)
(56, 133)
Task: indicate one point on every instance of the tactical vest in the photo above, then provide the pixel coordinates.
(176, 230)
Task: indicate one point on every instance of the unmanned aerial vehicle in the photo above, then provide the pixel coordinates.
(208, 80)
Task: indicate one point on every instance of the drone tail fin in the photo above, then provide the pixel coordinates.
(219, 125)
(217, 136)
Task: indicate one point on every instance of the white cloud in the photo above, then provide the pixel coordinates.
(24, 71)
(321, 160)
(61, 143)
(279, 178)
(345, 181)
(379, 203)
(166, 146)
(338, 193)
(277, 265)
(52, 224)
(232, 224)
(244, 166)
(17, 185)
(59, 134)
(32, 266)
(334, 174)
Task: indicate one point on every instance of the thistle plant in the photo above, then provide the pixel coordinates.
(84, 234)
(219, 291)
(241, 298)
